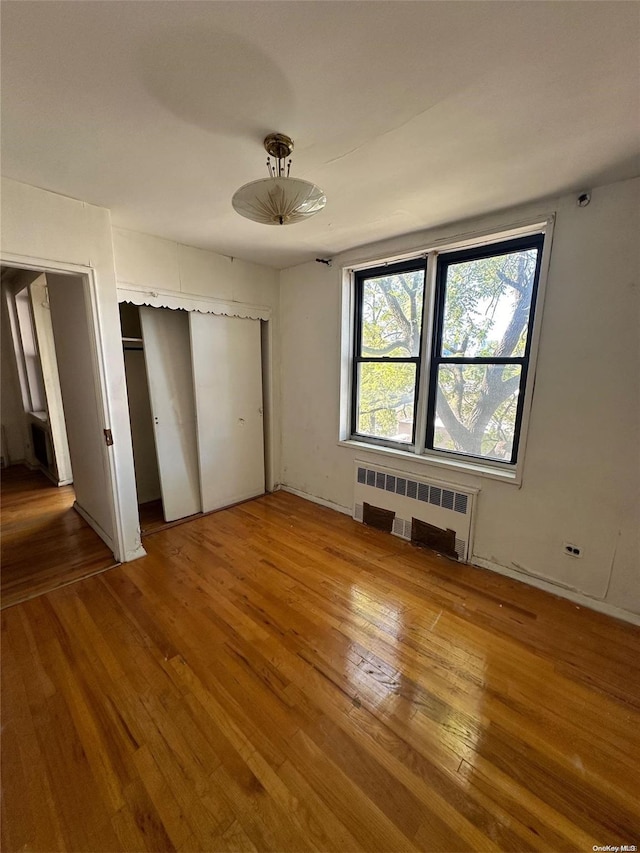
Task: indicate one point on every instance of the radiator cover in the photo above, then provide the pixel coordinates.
(447, 505)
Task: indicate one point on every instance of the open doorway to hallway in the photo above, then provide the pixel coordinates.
(55, 495)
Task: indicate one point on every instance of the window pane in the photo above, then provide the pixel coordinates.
(476, 409)
(392, 314)
(487, 302)
(386, 395)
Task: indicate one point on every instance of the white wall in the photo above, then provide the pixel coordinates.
(151, 263)
(581, 476)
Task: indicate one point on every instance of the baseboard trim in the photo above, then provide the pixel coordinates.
(9, 463)
(316, 500)
(576, 597)
(94, 524)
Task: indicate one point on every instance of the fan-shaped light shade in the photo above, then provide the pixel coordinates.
(279, 201)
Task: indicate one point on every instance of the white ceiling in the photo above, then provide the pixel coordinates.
(408, 114)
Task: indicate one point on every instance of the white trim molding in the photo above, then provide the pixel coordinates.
(448, 464)
(202, 304)
(94, 524)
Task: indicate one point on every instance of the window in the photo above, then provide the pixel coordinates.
(444, 374)
(389, 308)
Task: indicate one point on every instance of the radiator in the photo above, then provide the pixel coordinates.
(446, 505)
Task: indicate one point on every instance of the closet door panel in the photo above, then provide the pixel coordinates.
(227, 373)
(168, 362)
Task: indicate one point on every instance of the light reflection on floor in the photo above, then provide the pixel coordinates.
(389, 680)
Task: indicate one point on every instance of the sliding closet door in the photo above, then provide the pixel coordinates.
(168, 359)
(227, 374)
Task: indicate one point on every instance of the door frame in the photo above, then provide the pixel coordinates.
(96, 336)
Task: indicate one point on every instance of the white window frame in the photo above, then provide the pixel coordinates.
(418, 453)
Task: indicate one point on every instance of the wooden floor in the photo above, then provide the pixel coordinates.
(45, 543)
(278, 677)
(151, 517)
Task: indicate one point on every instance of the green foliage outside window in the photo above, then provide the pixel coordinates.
(485, 315)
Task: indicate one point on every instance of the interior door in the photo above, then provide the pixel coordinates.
(51, 379)
(167, 353)
(227, 375)
(83, 410)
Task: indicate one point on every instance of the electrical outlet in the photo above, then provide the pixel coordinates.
(571, 550)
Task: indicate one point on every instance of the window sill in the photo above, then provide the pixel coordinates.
(476, 469)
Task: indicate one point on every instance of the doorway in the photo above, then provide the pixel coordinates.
(57, 511)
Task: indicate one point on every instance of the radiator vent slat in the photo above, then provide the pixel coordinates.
(460, 503)
(437, 496)
(439, 504)
(402, 528)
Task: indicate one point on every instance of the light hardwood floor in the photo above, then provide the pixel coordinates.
(278, 677)
(45, 542)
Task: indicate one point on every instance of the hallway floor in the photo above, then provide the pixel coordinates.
(46, 544)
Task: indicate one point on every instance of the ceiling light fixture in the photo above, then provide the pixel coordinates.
(278, 199)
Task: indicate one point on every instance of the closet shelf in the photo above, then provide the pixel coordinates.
(132, 343)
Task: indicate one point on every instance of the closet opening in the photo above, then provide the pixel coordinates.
(195, 392)
(142, 434)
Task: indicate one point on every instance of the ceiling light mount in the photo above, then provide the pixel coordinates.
(278, 199)
(278, 145)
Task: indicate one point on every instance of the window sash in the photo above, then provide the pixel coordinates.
(433, 393)
(429, 360)
(360, 278)
(444, 261)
